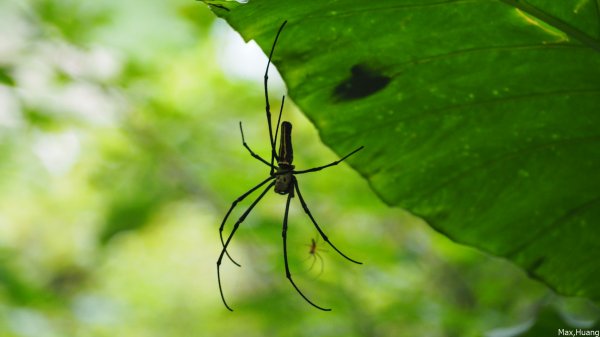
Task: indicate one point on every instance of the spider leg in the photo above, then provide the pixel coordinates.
(279, 117)
(287, 268)
(274, 156)
(267, 105)
(314, 261)
(235, 227)
(322, 263)
(328, 165)
(235, 202)
(252, 152)
(316, 225)
(315, 255)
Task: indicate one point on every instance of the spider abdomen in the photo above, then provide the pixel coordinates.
(286, 151)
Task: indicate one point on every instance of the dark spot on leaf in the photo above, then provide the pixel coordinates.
(361, 83)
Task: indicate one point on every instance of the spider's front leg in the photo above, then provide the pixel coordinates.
(235, 227)
(235, 202)
(319, 168)
(252, 153)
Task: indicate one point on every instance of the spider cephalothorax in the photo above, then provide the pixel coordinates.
(283, 178)
(284, 183)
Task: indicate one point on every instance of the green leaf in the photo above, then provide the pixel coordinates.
(479, 116)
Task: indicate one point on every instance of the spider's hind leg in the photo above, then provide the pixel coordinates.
(285, 259)
(325, 238)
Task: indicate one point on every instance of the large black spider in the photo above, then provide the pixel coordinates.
(282, 177)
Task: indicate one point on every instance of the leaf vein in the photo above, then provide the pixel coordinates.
(386, 123)
(568, 213)
(507, 155)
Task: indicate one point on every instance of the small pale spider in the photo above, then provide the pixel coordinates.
(314, 254)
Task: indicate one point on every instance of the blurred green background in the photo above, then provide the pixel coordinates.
(120, 154)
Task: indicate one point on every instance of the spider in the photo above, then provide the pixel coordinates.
(314, 254)
(283, 178)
